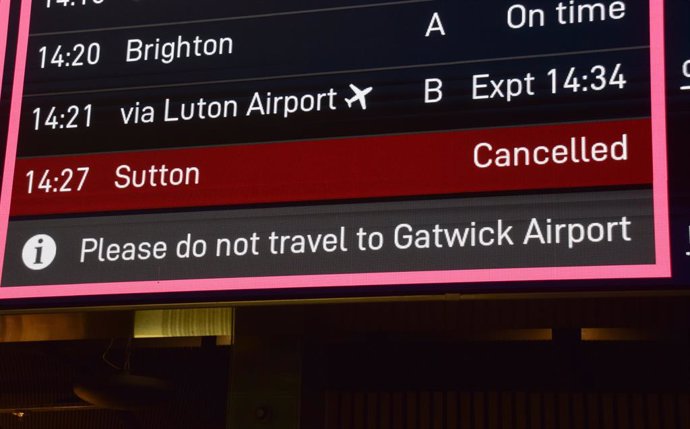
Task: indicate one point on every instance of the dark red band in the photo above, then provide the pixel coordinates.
(347, 168)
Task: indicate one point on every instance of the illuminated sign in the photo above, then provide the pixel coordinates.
(270, 145)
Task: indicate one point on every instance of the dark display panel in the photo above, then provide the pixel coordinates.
(281, 145)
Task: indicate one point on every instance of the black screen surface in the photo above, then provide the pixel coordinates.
(221, 146)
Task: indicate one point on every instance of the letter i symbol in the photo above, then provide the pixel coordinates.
(39, 252)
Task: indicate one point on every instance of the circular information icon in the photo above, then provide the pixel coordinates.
(39, 252)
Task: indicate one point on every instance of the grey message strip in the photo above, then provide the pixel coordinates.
(551, 230)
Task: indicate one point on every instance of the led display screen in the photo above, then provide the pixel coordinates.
(174, 146)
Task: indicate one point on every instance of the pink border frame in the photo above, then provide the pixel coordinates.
(662, 268)
(4, 29)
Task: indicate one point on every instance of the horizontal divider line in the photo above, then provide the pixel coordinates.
(341, 137)
(234, 18)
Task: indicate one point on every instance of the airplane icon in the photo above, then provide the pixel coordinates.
(360, 95)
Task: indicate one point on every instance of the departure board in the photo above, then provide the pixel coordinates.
(161, 146)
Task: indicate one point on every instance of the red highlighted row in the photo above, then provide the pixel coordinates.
(489, 160)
